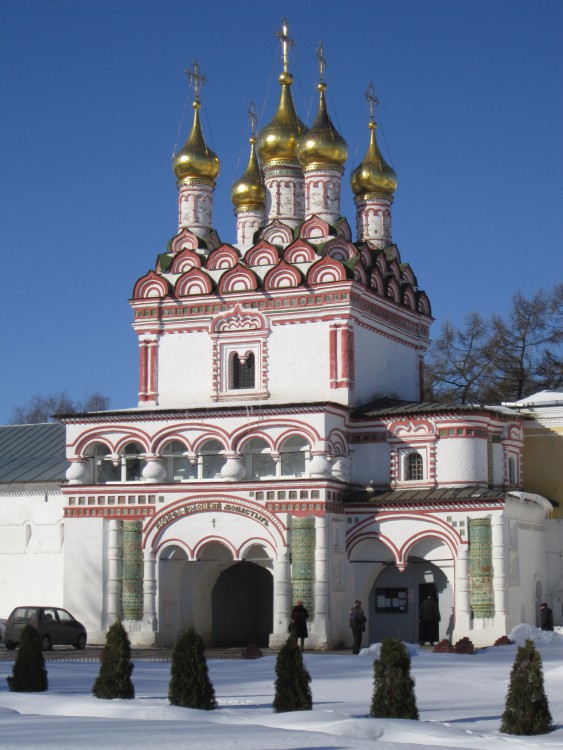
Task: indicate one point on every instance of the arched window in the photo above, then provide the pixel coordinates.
(414, 469)
(128, 467)
(104, 468)
(211, 459)
(132, 464)
(293, 455)
(242, 371)
(259, 461)
(178, 466)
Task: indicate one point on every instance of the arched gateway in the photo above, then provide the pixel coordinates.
(215, 564)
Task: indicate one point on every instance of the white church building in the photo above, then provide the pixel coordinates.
(280, 448)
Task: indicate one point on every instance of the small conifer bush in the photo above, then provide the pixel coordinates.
(526, 708)
(293, 681)
(393, 686)
(29, 674)
(190, 685)
(114, 678)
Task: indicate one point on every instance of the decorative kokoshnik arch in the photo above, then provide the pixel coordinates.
(270, 524)
(421, 526)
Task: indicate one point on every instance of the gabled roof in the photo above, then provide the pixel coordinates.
(32, 453)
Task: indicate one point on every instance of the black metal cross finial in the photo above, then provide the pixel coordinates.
(253, 117)
(372, 99)
(196, 78)
(320, 53)
(286, 42)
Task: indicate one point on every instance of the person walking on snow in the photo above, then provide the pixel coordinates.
(358, 621)
(298, 623)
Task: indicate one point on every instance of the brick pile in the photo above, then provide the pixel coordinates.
(444, 647)
(464, 646)
(503, 641)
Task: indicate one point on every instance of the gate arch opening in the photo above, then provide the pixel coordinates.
(242, 606)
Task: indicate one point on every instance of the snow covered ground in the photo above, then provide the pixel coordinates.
(460, 699)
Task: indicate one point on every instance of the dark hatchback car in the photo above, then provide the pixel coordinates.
(56, 627)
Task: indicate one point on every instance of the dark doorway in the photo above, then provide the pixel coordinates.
(242, 606)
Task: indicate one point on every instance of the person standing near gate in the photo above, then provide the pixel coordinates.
(358, 621)
(546, 617)
(429, 620)
(298, 623)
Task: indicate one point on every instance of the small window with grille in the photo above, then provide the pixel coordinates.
(242, 371)
(414, 469)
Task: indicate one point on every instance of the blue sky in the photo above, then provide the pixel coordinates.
(93, 101)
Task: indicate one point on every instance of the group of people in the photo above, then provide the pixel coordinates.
(298, 624)
(428, 622)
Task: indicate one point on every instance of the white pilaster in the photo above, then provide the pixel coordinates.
(282, 600)
(499, 572)
(321, 625)
(462, 593)
(115, 555)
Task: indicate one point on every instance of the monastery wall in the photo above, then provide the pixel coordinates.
(32, 534)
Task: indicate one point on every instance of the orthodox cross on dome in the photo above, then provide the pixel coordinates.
(372, 99)
(253, 117)
(286, 43)
(196, 78)
(320, 54)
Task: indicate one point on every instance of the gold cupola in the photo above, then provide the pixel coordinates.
(373, 175)
(278, 141)
(249, 191)
(195, 160)
(322, 145)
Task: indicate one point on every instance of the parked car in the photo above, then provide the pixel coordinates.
(56, 627)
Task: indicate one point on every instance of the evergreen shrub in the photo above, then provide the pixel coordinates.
(29, 674)
(190, 685)
(114, 678)
(393, 693)
(526, 708)
(293, 681)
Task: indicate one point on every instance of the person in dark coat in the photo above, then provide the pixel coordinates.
(358, 621)
(546, 615)
(298, 623)
(429, 619)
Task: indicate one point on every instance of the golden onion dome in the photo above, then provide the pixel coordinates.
(249, 190)
(195, 160)
(278, 141)
(322, 144)
(373, 175)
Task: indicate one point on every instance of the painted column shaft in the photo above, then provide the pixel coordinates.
(115, 553)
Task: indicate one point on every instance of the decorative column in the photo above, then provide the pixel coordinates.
(321, 625)
(322, 193)
(462, 593)
(481, 572)
(149, 597)
(282, 599)
(303, 561)
(115, 552)
(132, 578)
(499, 572)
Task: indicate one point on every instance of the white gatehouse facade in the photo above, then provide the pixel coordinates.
(280, 447)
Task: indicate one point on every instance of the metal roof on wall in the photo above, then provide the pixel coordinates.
(32, 453)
